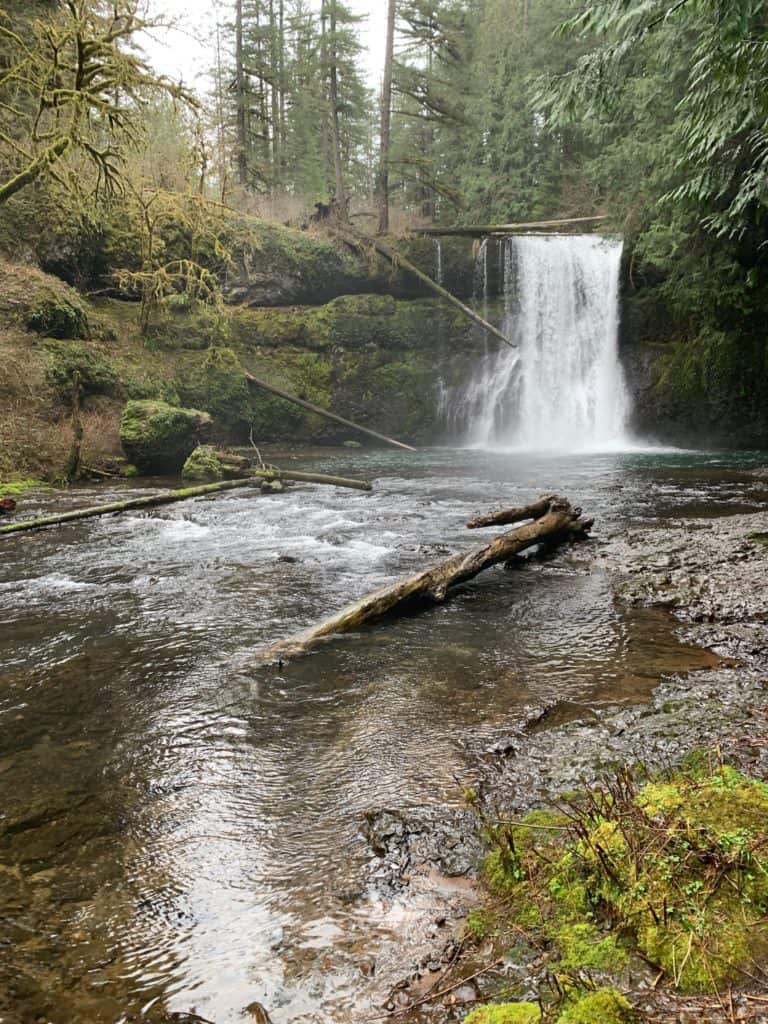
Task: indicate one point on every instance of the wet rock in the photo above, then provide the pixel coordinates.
(7, 506)
(158, 438)
(272, 487)
(257, 1014)
(403, 842)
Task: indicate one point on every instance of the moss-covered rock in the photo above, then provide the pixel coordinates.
(604, 1006)
(158, 438)
(209, 463)
(506, 1013)
(203, 464)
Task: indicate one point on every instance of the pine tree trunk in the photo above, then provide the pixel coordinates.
(241, 99)
(342, 202)
(386, 122)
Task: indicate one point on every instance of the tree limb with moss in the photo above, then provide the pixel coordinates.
(72, 87)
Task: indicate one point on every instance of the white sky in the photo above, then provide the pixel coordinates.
(187, 52)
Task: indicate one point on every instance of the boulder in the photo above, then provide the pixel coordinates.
(207, 463)
(158, 438)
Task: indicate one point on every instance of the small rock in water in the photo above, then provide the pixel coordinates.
(272, 487)
(288, 558)
(7, 506)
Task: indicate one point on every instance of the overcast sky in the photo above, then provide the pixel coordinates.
(187, 52)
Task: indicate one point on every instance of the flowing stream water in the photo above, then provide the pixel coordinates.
(180, 830)
(562, 386)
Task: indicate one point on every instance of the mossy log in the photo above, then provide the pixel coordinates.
(398, 260)
(474, 231)
(311, 407)
(256, 478)
(560, 523)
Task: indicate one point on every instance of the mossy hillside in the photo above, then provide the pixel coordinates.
(41, 304)
(677, 870)
(352, 322)
(721, 378)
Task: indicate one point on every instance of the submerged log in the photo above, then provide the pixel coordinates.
(475, 231)
(559, 523)
(311, 407)
(256, 479)
(397, 260)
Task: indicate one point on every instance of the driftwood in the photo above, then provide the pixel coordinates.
(560, 522)
(515, 515)
(474, 231)
(397, 260)
(256, 478)
(257, 382)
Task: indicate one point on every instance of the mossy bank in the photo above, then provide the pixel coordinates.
(371, 358)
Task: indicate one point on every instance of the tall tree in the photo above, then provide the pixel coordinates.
(386, 120)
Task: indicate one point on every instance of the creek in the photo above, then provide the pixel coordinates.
(182, 831)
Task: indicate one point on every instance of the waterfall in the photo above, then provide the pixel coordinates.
(562, 387)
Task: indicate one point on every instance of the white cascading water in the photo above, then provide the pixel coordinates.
(563, 387)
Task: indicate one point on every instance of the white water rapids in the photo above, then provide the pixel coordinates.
(562, 388)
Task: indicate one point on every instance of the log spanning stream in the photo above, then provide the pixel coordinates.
(180, 829)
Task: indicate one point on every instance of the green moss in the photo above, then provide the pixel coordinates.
(203, 464)
(12, 488)
(505, 1013)
(158, 438)
(758, 538)
(604, 1006)
(678, 866)
(480, 924)
(217, 385)
(58, 317)
(65, 358)
(582, 948)
(715, 376)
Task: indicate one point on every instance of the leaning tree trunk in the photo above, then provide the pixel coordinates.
(559, 523)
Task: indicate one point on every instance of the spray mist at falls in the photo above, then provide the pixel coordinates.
(562, 387)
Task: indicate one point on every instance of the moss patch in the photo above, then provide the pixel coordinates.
(15, 487)
(203, 464)
(505, 1013)
(604, 1006)
(64, 359)
(677, 870)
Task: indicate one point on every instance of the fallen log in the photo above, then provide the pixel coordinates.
(514, 515)
(474, 231)
(397, 260)
(256, 478)
(257, 382)
(559, 523)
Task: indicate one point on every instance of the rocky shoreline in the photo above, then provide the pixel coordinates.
(711, 573)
